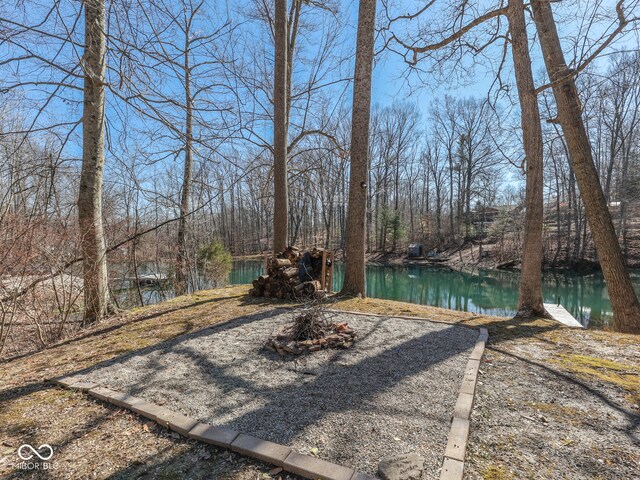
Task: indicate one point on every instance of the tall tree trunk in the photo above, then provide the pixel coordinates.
(451, 186)
(624, 187)
(291, 34)
(530, 291)
(354, 272)
(558, 219)
(281, 188)
(466, 154)
(438, 213)
(571, 218)
(94, 261)
(369, 214)
(624, 302)
(182, 267)
(467, 193)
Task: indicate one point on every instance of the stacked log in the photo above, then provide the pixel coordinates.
(282, 277)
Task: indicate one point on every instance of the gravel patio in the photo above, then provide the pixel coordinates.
(393, 392)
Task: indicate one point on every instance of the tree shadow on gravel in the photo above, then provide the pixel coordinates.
(169, 344)
(11, 393)
(294, 407)
(499, 331)
(289, 409)
(357, 385)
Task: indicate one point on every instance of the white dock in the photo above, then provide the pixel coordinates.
(560, 314)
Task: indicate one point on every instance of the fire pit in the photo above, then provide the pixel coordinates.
(310, 331)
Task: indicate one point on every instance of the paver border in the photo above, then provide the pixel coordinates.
(453, 461)
(306, 466)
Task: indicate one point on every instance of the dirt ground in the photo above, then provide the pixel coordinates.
(561, 404)
(552, 402)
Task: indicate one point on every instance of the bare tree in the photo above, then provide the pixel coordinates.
(185, 200)
(430, 188)
(354, 274)
(94, 261)
(280, 178)
(476, 152)
(624, 301)
(174, 78)
(530, 291)
(436, 168)
(444, 119)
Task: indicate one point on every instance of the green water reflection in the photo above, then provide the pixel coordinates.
(490, 292)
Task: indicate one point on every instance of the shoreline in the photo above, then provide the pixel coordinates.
(453, 264)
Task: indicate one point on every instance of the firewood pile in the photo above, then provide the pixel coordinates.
(294, 275)
(311, 332)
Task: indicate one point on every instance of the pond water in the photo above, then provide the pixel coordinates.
(491, 292)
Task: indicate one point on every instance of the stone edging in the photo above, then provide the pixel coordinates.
(279, 455)
(453, 464)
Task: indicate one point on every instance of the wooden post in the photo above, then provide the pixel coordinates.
(323, 275)
(330, 276)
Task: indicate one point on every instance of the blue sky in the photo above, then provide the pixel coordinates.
(389, 80)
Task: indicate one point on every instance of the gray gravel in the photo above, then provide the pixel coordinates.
(392, 393)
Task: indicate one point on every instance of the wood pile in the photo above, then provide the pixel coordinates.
(333, 336)
(289, 277)
(311, 331)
